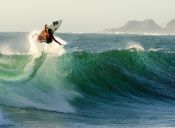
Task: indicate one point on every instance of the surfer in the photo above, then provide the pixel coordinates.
(49, 35)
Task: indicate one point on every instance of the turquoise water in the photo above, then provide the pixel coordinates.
(100, 81)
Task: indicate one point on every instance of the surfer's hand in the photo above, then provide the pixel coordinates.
(59, 43)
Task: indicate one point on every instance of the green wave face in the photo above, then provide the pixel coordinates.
(62, 83)
(122, 73)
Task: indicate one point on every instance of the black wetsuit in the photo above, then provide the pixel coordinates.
(50, 38)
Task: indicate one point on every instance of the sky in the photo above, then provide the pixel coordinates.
(81, 15)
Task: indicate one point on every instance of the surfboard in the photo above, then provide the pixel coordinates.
(54, 26)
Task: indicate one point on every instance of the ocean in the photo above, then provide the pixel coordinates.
(94, 81)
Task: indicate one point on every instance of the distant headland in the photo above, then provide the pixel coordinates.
(148, 26)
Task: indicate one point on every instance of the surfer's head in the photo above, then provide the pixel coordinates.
(46, 26)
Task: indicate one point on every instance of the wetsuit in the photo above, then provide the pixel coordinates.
(50, 37)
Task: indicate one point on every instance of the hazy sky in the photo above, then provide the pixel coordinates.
(81, 15)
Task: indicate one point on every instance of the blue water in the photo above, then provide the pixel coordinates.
(100, 81)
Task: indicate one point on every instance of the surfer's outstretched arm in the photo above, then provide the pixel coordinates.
(55, 40)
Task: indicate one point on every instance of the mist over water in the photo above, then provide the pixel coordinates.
(94, 80)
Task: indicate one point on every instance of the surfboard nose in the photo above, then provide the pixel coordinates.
(57, 22)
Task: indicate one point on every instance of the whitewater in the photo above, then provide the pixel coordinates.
(92, 80)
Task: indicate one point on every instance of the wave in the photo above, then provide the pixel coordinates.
(19, 66)
(124, 73)
(60, 82)
(41, 90)
(25, 82)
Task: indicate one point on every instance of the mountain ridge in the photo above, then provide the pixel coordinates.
(145, 26)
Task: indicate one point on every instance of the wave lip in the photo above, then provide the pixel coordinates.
(135, 46)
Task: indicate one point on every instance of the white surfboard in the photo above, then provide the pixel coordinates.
(55, 25)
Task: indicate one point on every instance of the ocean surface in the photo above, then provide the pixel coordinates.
(94, 81)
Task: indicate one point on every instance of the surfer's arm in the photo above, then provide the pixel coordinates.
(55, 40)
